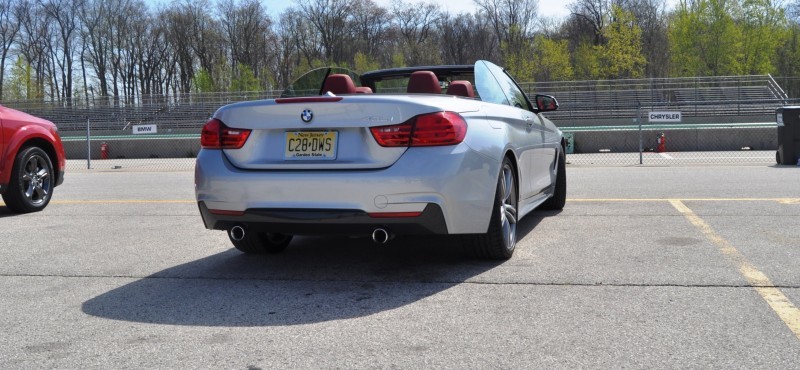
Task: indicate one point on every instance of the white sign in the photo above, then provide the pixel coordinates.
(145, 129)
(664, 116)
(780, 119)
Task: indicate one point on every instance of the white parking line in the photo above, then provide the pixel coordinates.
(665, 155)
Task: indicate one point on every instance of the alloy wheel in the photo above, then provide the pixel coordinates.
(508, 211)
(36, 182)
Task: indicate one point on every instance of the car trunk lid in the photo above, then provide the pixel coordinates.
(325, 132)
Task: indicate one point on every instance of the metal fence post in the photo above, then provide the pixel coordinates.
(88, 144)
(639, 121)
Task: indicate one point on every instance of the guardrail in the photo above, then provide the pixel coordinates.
(776, 88)
(641, 136)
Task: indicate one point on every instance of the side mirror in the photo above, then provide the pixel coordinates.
(546, 103)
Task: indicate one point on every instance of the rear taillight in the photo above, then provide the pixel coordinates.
(216, 135)
(433, 129)
(394, 135)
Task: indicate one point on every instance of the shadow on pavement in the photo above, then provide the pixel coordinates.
(529, 222)
(315, 280)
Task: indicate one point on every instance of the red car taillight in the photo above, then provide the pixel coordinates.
(216, 135)
(433, 129)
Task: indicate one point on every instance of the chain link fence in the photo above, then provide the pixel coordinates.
(723, 120)
(153, 133)
(676, 134)
(704, 120)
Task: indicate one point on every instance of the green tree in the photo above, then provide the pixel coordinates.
(244, 79)
(787, 60)
(20, 83)
(586, 61)
(621, 56)
(304, 66)
(764, 31)
(551, 59)
(519, 56)
(267, 80)
(398, 60)
(203, 81)
(364, 63)
(705, 40)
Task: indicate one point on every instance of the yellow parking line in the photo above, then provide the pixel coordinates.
(779, 303)
(122, 201)
(577, 200)
(574, 200)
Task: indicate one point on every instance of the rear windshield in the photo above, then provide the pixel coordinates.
(341, 81)
(310, 83)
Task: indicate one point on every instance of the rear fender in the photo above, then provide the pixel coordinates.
(513, 158)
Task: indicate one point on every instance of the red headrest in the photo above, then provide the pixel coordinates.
(339, 84)
(423, 82)
(461, 88)
(363, 90)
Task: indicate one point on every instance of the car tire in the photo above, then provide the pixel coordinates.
(31, 185)
(261, 243)
(500, 240)
(559, 198)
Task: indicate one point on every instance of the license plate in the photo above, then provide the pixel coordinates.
(311, 145)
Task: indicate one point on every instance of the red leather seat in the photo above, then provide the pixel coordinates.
(339, 84)
(423, 82)
(461, 88)
(363, 90)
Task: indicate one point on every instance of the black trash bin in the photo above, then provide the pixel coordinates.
(788, 135)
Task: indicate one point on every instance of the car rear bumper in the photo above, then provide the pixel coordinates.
(452, 187)
(326, 221)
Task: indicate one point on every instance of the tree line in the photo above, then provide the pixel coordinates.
(123, 50)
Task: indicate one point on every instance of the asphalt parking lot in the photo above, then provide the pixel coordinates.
(646, 267)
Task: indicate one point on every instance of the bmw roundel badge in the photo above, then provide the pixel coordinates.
(307, 116)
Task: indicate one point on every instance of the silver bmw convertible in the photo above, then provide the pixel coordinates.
(449, 150)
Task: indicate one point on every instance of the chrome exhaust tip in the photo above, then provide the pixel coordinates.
(237, 233)
(381, 236)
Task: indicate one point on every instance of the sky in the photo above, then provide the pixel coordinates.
(548, 8)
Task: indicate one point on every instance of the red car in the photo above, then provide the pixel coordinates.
(32, 160)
